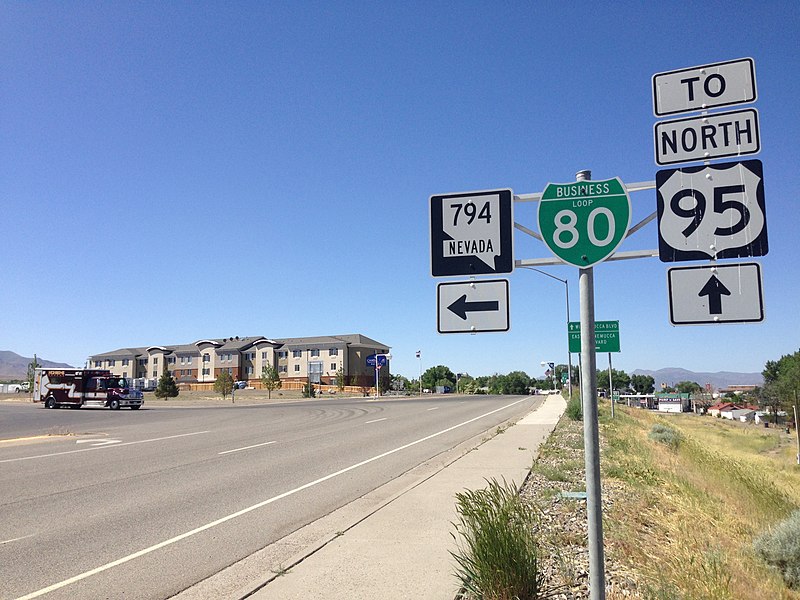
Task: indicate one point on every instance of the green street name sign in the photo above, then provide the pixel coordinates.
(606, 336)
(584, 222)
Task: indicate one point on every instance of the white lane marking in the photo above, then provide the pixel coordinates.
(169, 437)
(98, 442)
(24, 537)
(434, 408)
(247, 447)
(249, 509)
(376, 420)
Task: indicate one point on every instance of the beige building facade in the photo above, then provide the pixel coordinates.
(307, 359)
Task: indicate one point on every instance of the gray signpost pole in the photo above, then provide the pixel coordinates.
(591, 435)
(610, 385)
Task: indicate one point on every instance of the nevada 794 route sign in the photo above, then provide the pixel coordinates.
(584, 222)
(472, 233)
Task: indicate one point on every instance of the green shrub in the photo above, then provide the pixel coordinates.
(664, 434)
(780, 548)
(498, 553)
(575, 409)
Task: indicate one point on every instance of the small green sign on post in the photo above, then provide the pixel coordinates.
(606, 336)
(584, 222)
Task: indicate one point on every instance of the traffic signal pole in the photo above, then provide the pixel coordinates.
(591, 434)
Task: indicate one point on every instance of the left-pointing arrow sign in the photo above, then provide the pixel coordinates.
(473, 306)
(461, 307)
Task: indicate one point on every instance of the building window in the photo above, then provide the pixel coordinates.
(297, 353)
(282, 369)
(333, 366)
(155, 360)
(333, 352)
(142, 362)
(155, 373)
(171, 360)
(230, 371)
(283, 354)
(206, 371)
(249, 370)
(98, 364)
(124, 363)
(315, 352)
(112, 363)
(263, 356)
(206, 358)
(297, 368)
(125, 374)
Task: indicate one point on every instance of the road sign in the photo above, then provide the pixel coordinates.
(473, 306)
(382, 360)
(708, 86)
(472, 233)
(584, 222)
(717, 135)
(730, 293)
(711, 211)
(606, 336)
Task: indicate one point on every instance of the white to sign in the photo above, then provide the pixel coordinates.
(472, 233)
(708, 86)
(717, 135)
(730, 293)
(472, 306)
(712, 211)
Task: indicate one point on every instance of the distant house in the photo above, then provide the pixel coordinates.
(673, 402)
(717, 409)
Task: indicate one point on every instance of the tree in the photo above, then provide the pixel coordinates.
(643, 384)
(166, 388)
(620, 380)
(688, 387)
(340, 380)
(270, 379)
(516, 383)
(439, 375)
(224, 384)
(782, 379)
(309, 391)
(32, 366)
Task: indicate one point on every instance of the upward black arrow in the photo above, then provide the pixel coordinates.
(461, 307)
(715, 290)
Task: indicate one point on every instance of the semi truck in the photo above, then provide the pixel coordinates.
(84, 387)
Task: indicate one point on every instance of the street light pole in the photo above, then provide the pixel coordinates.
(419, 360)
(566, 290)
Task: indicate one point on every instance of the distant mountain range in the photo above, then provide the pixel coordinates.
(721, 379)
(14, 366)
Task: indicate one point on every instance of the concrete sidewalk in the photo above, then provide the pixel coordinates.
(400, 550)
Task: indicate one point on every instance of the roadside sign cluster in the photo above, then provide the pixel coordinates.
(472, 234)
(710, 211)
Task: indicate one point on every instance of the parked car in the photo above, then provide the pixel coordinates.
(239, 385)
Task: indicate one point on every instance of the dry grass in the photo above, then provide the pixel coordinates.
(692, 512)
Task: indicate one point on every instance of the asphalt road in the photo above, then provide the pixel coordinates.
(143, 504)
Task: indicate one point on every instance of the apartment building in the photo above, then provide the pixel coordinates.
(314, 359)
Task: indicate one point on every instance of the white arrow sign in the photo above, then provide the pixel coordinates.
(472, 306)
(730, 293)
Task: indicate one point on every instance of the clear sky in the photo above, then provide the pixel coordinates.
(171, 171)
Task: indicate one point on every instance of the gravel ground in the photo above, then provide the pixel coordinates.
(563, 526)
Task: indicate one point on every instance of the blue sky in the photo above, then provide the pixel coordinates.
(177, 171)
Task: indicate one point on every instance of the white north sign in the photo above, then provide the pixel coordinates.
(730, 293)
(717, 135)
(708, 86)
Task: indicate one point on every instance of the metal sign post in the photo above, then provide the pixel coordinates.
(591, 433)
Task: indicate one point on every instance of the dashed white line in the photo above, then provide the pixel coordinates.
(24, 537)
(247, 447)
(169, 437)
(376, 420)
(434, 408)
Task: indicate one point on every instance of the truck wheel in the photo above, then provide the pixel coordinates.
(135, 406)
(50, 402)
(114, 404)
